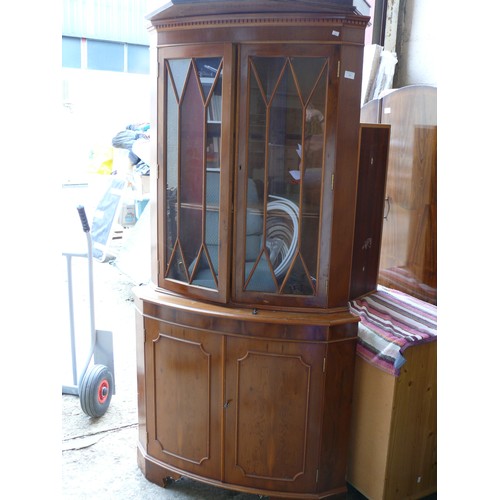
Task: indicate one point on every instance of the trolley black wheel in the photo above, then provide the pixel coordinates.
(96, 390)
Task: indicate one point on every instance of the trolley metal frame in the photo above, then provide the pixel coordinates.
(101, 341)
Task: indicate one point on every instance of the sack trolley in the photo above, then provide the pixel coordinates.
(93, 384)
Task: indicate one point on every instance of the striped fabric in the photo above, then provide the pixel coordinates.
(391, 321)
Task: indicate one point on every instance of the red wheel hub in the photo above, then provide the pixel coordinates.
(103, 391)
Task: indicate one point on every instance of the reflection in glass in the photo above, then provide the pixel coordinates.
(285, 148)
(214, 121)
(193, 136)
(312, 169)
(172, 155)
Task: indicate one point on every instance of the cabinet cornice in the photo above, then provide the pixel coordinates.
(251, 21)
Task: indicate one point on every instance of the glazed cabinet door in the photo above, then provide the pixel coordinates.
(272, 414)
(183, 397)
(194, 149)
(285, 151)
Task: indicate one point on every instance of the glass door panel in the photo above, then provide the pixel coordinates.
(284, 165)
(193, 117)
(313, 85)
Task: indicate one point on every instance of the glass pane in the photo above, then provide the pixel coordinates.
(257, 138)
(176, 267)
(210, 74)
(307, 70)
(207, 269)
(193, 137)
(171, 235)
(281, 234)
(202, 274)
(192, 118)
(179, 69)
(214, 121)
(261, 279)
(268, 70)
(312, 171)
(172, 174)
(299, 281)
(207, 69)
(287, 98)
(282, 206)
(172, 135)
(285, 136)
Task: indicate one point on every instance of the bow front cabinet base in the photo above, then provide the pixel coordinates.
(253, 402)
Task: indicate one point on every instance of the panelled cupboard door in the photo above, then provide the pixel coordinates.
(272, 413)
(183, 397)
(194, 178)
(286, 125)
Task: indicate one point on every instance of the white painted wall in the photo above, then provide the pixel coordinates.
(96, 106)
(416, 44)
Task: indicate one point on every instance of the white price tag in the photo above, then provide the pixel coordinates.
(349, 74)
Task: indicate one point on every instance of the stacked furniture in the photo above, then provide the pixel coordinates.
(393, 451)
(409, 241)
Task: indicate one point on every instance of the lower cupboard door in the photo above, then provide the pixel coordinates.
(272, 414)
(184, 398)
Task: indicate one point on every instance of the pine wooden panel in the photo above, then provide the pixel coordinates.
(393, 437)
(373, 398)
(412, 462)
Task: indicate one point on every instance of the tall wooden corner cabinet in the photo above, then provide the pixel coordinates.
(245, 344)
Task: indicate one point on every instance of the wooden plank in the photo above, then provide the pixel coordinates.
(393, 429)
(412, 462)
(373, 398)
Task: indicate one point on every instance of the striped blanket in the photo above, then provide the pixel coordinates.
(391, 321)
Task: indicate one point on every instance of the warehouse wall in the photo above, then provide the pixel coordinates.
(416, 43)
(116, 20)
(106, 83)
